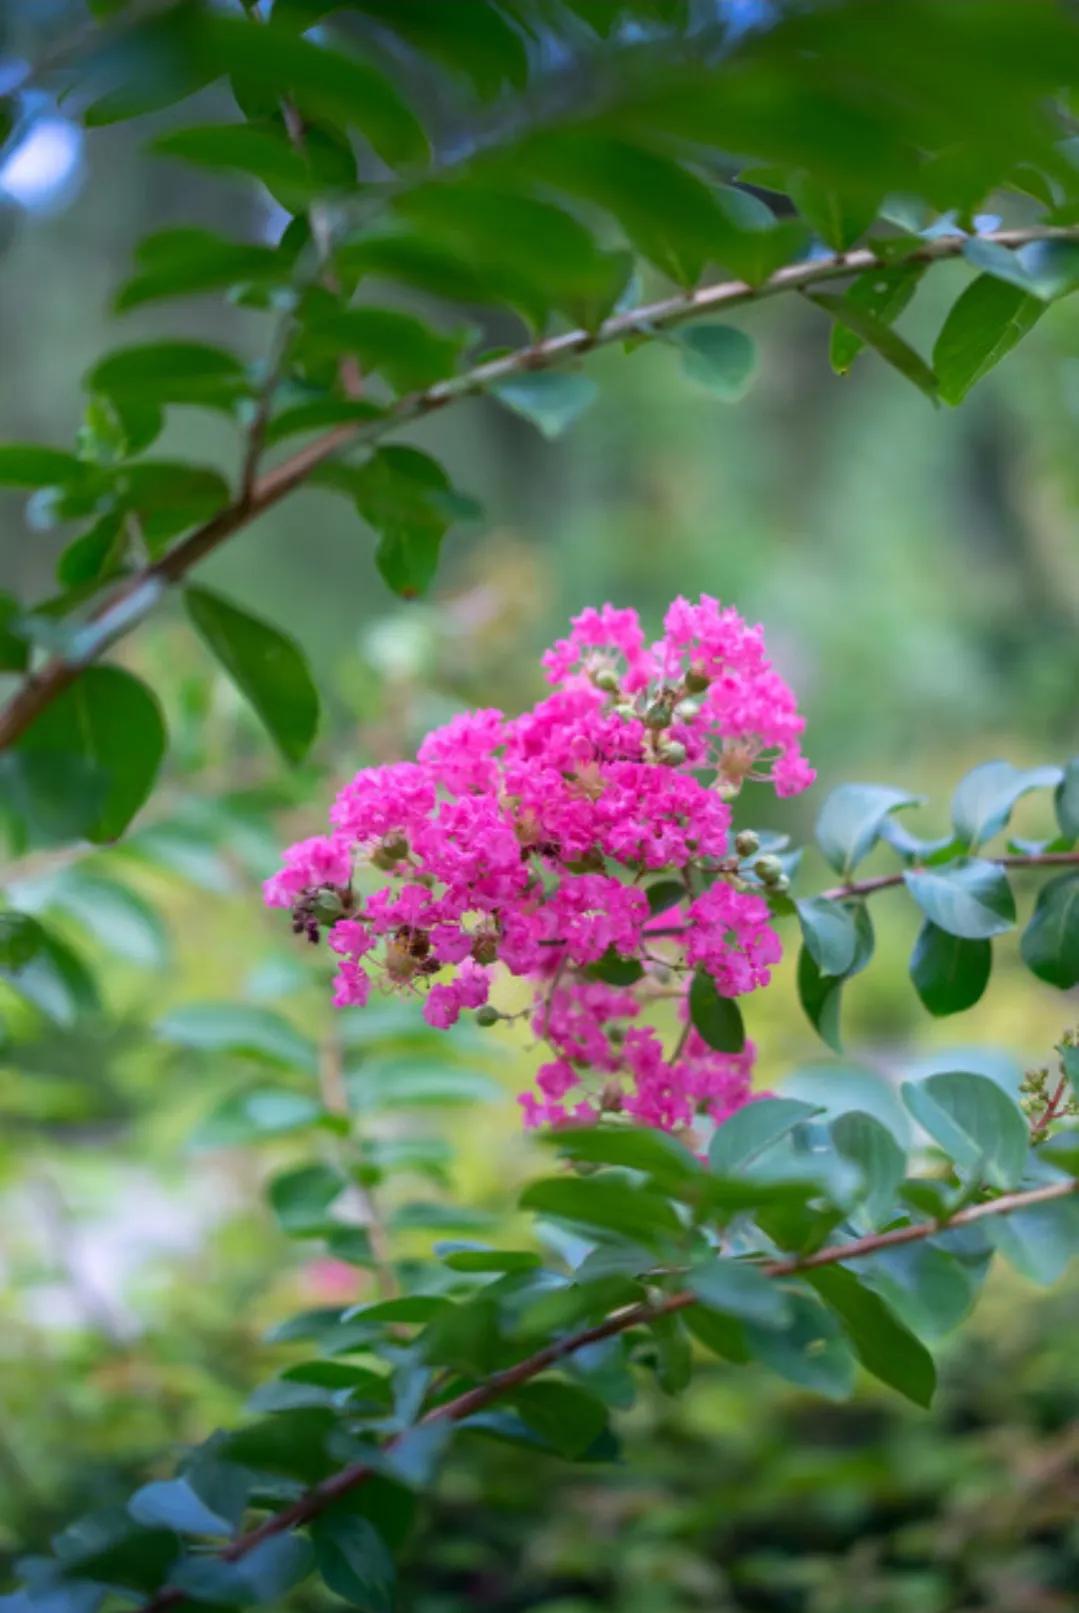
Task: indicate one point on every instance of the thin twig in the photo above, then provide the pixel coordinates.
(866, 887)
(137, 597)
(466, 1404)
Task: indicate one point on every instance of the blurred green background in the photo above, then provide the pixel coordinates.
(915, 571)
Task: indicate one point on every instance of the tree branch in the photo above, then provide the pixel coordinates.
(134, 599)
(881, 882)
(350, 1478)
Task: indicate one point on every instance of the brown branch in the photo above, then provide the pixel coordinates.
(135, 598)
(466, 1404)
(866, 887)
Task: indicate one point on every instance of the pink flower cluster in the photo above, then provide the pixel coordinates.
(537, 843)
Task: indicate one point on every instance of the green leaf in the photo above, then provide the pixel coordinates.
(998, 261)
(744, 1135)
(950, 972)
(108, 725)
(737, 1289)
(118, 917)
(14, 649)
(397, 1083)
(811, 1351)
(1040, 1242)
(983, 800)
(255, 1115)
(884, 1346)
(1052, 268)
(974, 1121)
(882, 293)
(664, 894)
(636, 1148)
(985, 323)
(1067, 800)
(262, 151)
(851, 818)
(255, 1033)
(170, 372)
(928, 1287)
(265, 1574)
(20, 938)
(408, 352)
(615, 970)
(1050, 943)
(318, 415)
(969, 897)
(830, 934)
(174, 1504)
(870, 1145)
(169, 496)
(473, 1257)
(55, 980)
(604, 1202)
(266, 666)
(301, 1199)
(25, 464)
(720, 357)
(480, 44)
(878, 335)
(565, 1417)
(189, 262)
(820, 995)
(837, 219)
(718, 1020)
(352, 1558)
(551, 399)
(406, 497)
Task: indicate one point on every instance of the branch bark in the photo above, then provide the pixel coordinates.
(881, 882)
(350, 1478)
(134, 599)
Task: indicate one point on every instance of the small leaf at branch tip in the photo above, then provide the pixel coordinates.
(551, 400)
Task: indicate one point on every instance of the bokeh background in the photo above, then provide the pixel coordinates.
(916, 574)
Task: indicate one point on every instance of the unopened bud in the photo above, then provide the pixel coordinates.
(673, 752)
(768, 869)
(390, 850)
(696, 682)
(687, 710)
(487, 1016)
(485, 949)
(625, 710)
(607, 680)
(327, 905)
(747, 842)
(658, 715)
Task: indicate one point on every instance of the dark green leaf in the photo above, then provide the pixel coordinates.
(984, 324)
(882, 293)
(654, 1152)
(737, 1289)
(170, 372)
(718, 1020)
(835, 217)
(352, 1558)
(851, 818)
(969, 897)
(266, 666)
(406, 497)
(1050, 943)
(819, 994)
(974, 1121)
(108, 725)
(1067, 800)
(408, 352)
(301, 1199)
(565, 1417)
(811, 1351)
(30, 465)
(482, 45)
(265, 1574)
(615, 970)
(20, 938)
(603, 1202)
(263, 151)
(14, 649)
(664, 894)
(189, 262)
(829, 933)
(550, 399)
(880, 336)
(318, 415)
(950, 972)
(884, 1346)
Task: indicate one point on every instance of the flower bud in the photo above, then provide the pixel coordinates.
(658, 715)
(485, 949)
(673, 752)
(390, 850)
(687, 710)
(327, 906)
(626, 710)
(607, 680)
(696, 682)
(746, 842)
(768, 869)
(487, 1016)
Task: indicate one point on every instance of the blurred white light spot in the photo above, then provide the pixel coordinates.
(44, 166)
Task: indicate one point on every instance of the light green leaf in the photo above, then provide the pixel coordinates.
(983, 800)
(985, 323)
(830, 934)
(744, 1135)
(301, 1199)
(871, 1146)
(252, 1116)
(30, 465)
(974, 1121)
(969, 897)
(883, 293)
(551, 399)
(735, 1288)
(720, 357)
(235, 1028)
(170, 372)
(878, 335)
(851, 818)
(604, 1202)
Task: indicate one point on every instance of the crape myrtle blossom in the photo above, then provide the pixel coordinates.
(585, 846)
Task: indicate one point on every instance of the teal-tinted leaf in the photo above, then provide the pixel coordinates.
(878, 335)
(830, 934)
(550, 399)
(969, 897)
(121, 919)
(352, 1558)
(170, 372)
(719, 357)
(107, 725)
(566, 1417)
(750, 1130)
(950, 972)
(737, 1289)
(654, 1152)
(235, 1028)
(985, 323)
(974, 1121)
(851, 818)
(884, 1346)
(174, 1504)
(1050, 943)
(606, 1203)
(55, 980)
(871, 1146)
(838, 1088)
(1067, 800)
(811, 1351)
(929, 1288)
(1040, 1242)
(301, 1199)
(266, 666)
(398, 1083)
(996, 260)
(265, 1574)
(1052, 268)
(252, 1116)
(883, 293)
(26, 464)
(983, 800)
(718, 1020)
